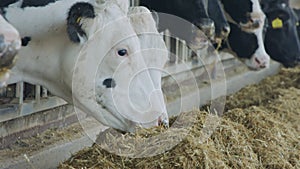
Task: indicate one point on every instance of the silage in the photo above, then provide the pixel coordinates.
(260, 129)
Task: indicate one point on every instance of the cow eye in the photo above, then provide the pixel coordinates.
(122, 52)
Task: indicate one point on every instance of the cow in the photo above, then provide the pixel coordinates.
(93, 55)
(183, 18)
(216, 13)
(25, 3)
(10, 43)
(281, 39)
(297, 12)
(245, 39)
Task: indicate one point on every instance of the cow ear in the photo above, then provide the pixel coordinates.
(77, 13)
(155, 16)
(123, 4)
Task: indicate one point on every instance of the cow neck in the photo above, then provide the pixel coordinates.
(230, 20)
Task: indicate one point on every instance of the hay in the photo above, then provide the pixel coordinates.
(262, 93)
(259, 130)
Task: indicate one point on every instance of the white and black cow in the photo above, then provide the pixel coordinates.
(95, 55)
(10, 43)
(24, 3)
(188, 13)
(297, 12)
(281, 39)
(247, 21)
(216, 13)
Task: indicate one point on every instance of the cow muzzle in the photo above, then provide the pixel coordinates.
(258, 62)
(224, 32)
(8, 51)
(207, 26)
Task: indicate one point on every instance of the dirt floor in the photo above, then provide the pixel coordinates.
(260, 129)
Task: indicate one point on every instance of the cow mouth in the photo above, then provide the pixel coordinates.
(199, 42)
(8, 51)
(163, 122)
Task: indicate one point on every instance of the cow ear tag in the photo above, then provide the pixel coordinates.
(277, 23)
(78, 20)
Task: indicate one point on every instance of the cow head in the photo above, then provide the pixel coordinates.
(246, 36)
(281, 41)
(119, 67)
(9, 45)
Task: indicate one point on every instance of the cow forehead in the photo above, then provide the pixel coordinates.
(257, 12)
(150, 40)
(113, 22)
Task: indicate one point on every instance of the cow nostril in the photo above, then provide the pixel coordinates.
(257, 61)
(163, 122)
(263, 66)
(109, 83)
(256, 24)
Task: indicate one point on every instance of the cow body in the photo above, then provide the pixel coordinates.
(297, 12)
(281, 39)
(104, 75)
(194, 13)
(25, 3)
(215, 12)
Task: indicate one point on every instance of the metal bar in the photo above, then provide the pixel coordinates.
(20, 92)
(38, 93)
(44, 92)
(177, 42)
(167, 38)
(131, 2)
(184, 52)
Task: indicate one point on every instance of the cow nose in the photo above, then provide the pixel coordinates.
(256, 24)
(261, 63)
(226, 29)
(8, 52)
(163, 122)
(207, 26)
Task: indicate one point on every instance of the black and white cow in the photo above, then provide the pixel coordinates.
(216, 13)
(247, 20)
(100, 55)
(281, 39)
(297, 12)
(25, 3)
(193, 12)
